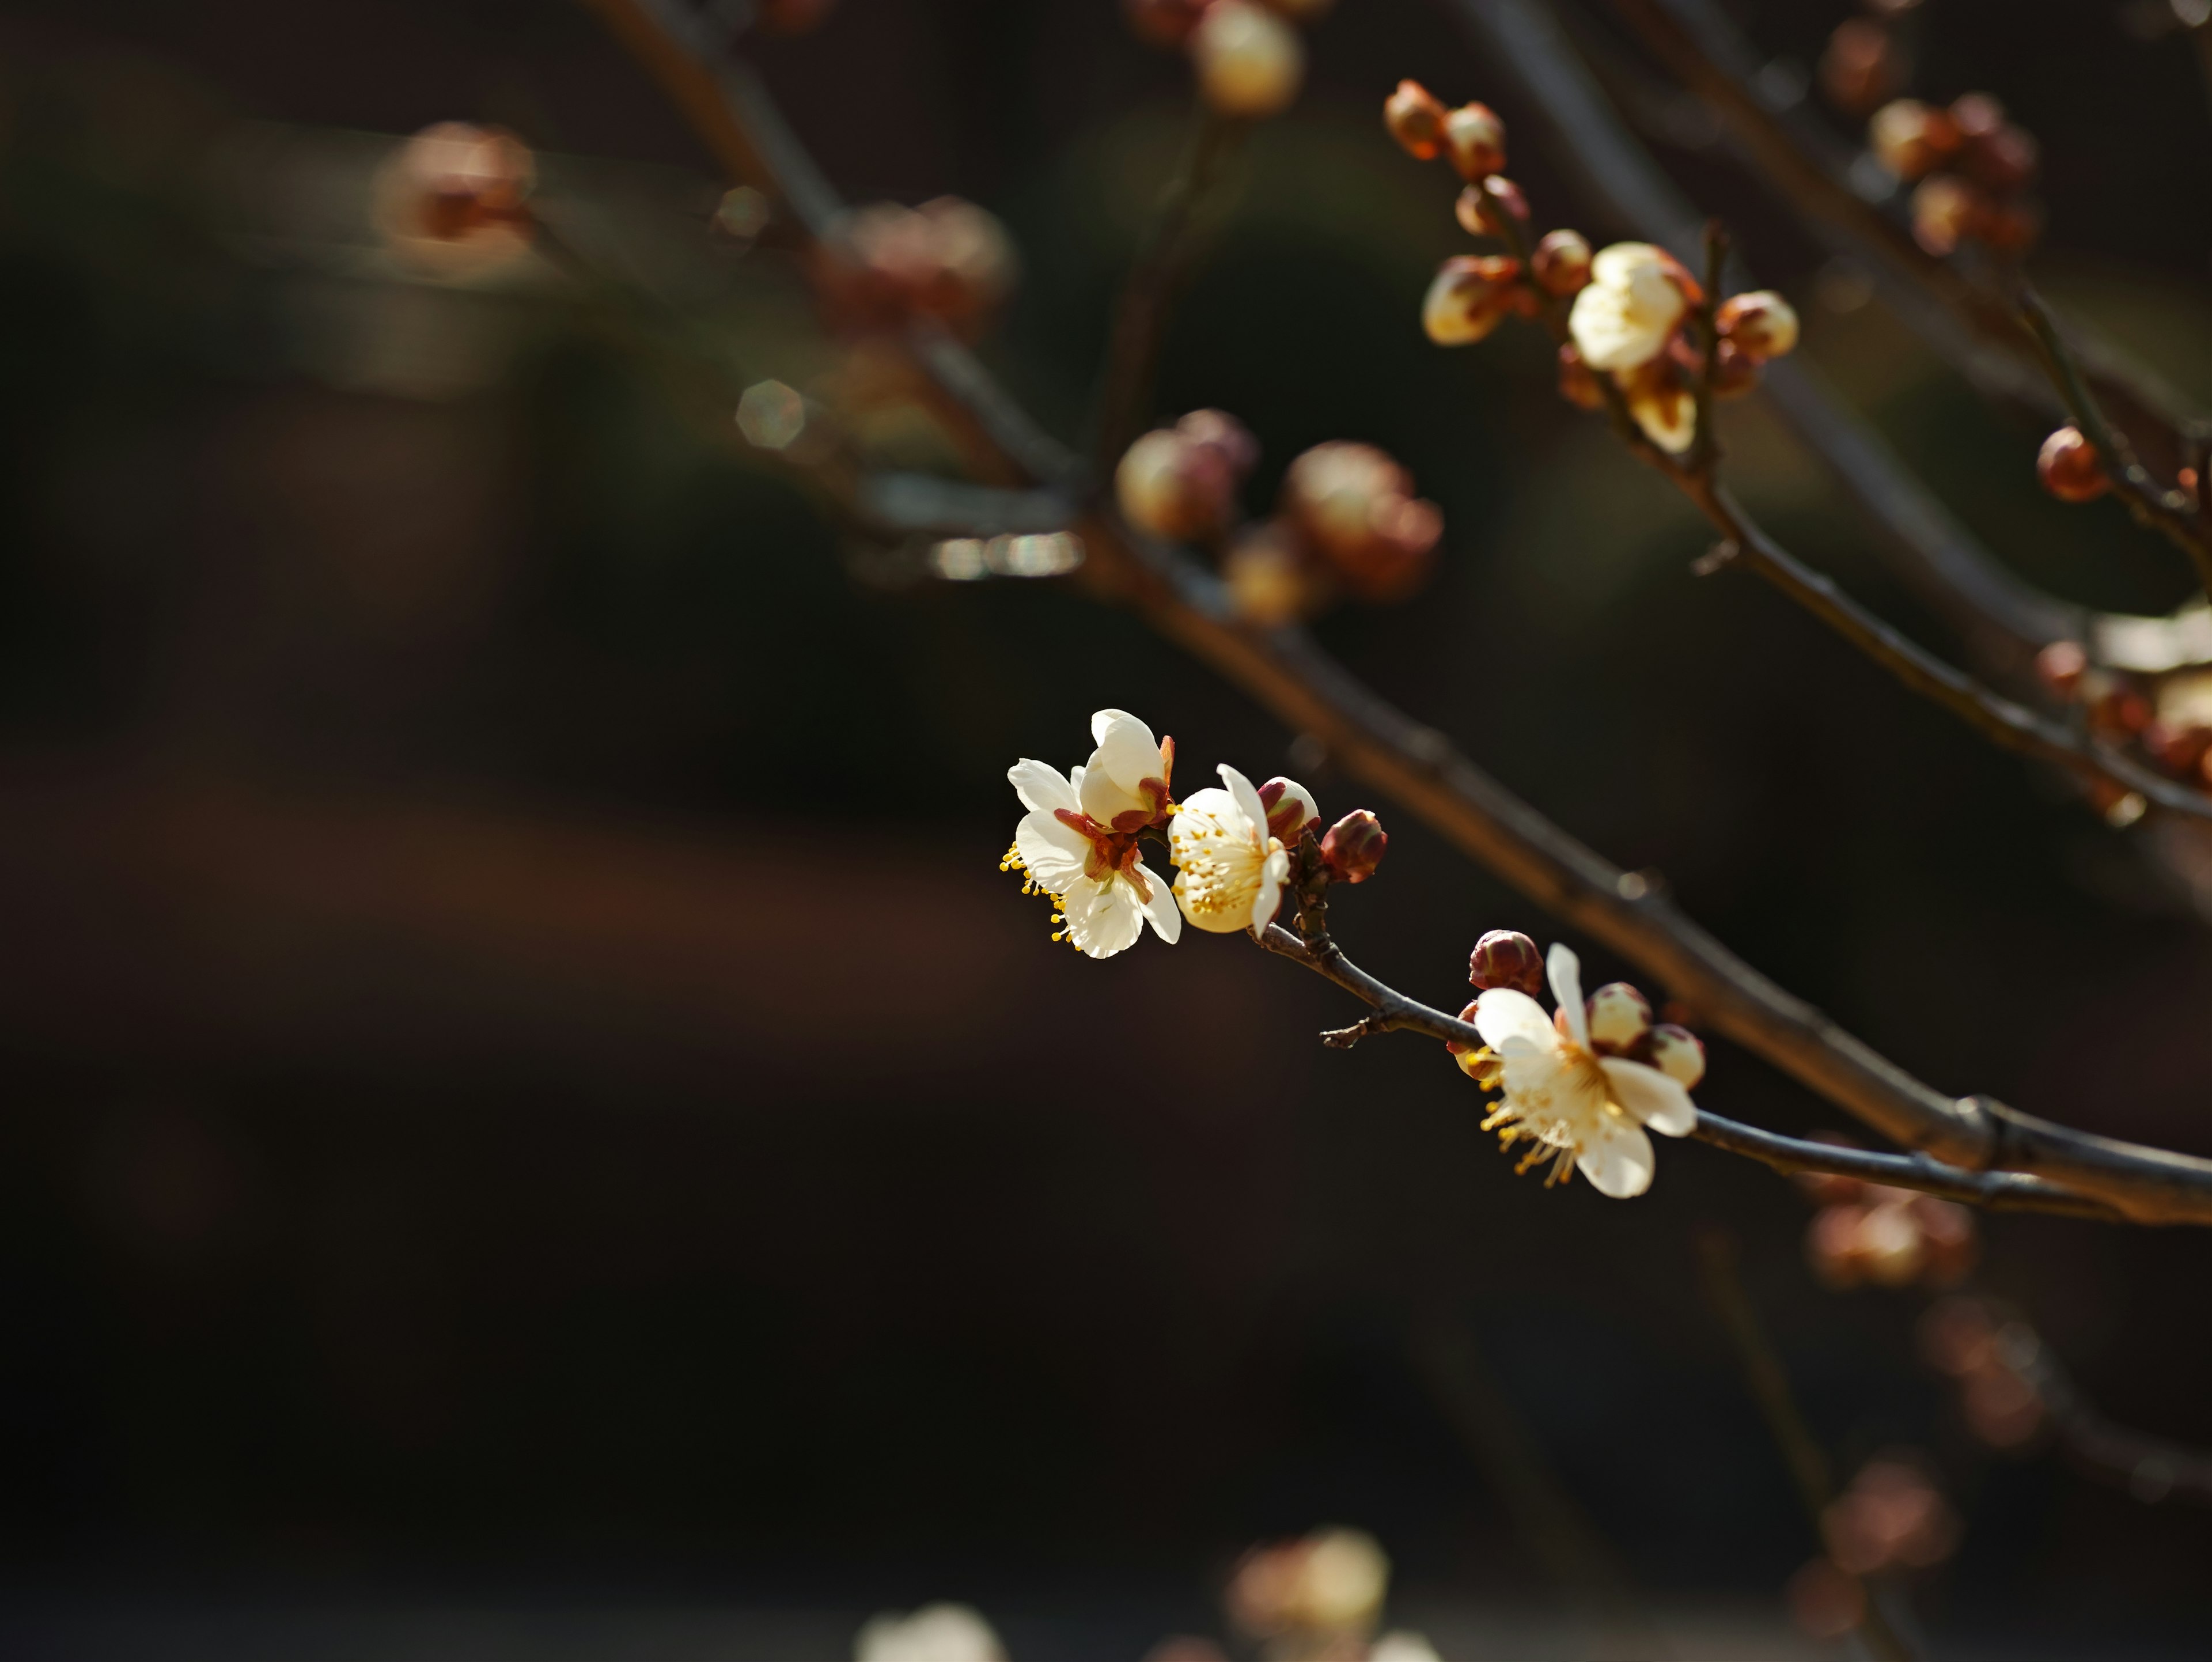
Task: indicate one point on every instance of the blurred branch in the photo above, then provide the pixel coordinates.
(1286, 672)
(2149, 1467)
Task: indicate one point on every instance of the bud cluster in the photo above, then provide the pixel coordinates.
(1993, 1360)
(1619, 1017)
(455, 197)
(1247, 56)
(947, 259)
(1892, 1518)
(1868, 1234)
(2168, 718)
(1971, 168)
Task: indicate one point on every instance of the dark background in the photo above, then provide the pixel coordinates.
(522, 1084)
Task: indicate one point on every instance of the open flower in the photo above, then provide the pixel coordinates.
(1559, 1092)
(1231, 870)
(1626, 315)
(1078, 841)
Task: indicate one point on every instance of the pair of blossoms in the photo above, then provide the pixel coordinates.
(1080, 842)
(1631, 304)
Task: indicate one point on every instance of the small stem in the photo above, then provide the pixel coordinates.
(1705, 444)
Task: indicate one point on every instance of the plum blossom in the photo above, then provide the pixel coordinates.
(1078, 844)
(1630, 309)
(1232, 871)
(1559, 1092)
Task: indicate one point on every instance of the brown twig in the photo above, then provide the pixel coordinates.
(1415, 766)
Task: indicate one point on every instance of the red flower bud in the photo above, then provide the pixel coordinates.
(1976, 115)
(1356, 510)
(1734, 372)
(1561, 263)
(1353, 848)
(1946, 210)
(1475, 138)
(1467, 1015)
(1861, 67)
(2070, 468)
(1415, 117)
(1912, 139)
(1478, 206)
(1290, 808)
(1506, 958)
(1760, 323)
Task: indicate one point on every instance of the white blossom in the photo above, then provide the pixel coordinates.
(936, 1633)
(1623, 317)
(1591, 1110)
(1078, 844)
(1231, 871)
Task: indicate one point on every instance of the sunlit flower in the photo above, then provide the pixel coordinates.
(1591, 1110)
(1078, 843)
(1230, 871)
(936, 1633)
(1631, 307)
(1661, 404)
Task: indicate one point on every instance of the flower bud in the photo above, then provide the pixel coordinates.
(1474, 139)
(1578, 382)
(1891, 1247)
(1249, 61)
(1266, 576)
(1861, 67)
(1912, 139)
(1976, 115)
(1761, 323)
(1356, 509)
(1947, 1233)
(1180, 483)
(1678, 1053)
(2070, 468)
(1506, 958)
(1290, 808)
(1834, 1248)
(1469, 297)
(454, 198)
(2180, 749)
(1735, 371)
(1415, 117)
(1618, 1016)
(1561, 263)
(1353, 848)
(948, 259)
(1162, 22)
(1475, 1061)
(1946, 210)
(2004, 159)
(1477, 208)
(1661, 404)
(2060, 665)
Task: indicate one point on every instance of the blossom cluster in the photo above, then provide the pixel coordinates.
(1346, 520)
(1080, 842)
(1891, 1518)
(1248, 58)
(1630, 307)
(1970, 168)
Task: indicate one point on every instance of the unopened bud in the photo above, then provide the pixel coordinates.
(1861, 67)
(1290, 808)
(1356, 509)
(1249, 61)
(1353, 848)
(1735, 371)
(1508, 958)
(1976, 115)
(1891, 1248)
(2070, 468)
(2060, 665)
(1180, 483)
(1459, 1047)
(454, 198)
(1415, 117)
(1912, 139)
(1676, 1052)
(2004, 159)
(1162, 22)
(1578, 382)
(1760, 324)
(948, 259)
(1619, 1017)
(1479, 205)
(1946, 210)
(1474, 139)
(1561, 263)
(1470, 296)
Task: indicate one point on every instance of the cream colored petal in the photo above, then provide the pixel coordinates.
(1102, 918)
(1247, 798)
(1201, 815)
(1565, 970)
(1502, 1014)
(1273, 873)
(1127, 750)
(1042, 789)
(1103, 796)
(1054, 854)
(1620, 1164)
(1652, 1098)
(1160, 909)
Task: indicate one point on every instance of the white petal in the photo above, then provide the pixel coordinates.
(1269, 900)
(1566, 973)
(1042, 789)
(1054, 854)
(1202, 811)
(1102, 918)
(1502, 1013)
(1161, 910)
(1620, 1164)
(1660, 1102)
(1126, 749)
(1246, 797)
(1103, 795)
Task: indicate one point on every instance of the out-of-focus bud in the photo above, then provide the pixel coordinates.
(1415, 117)
(2004, 159)
(1474, 139)
(1561, 263)
(1861, 67)
(936, 1633)
(1678, 1053)
(2060, 665)
(948, 259)
(1832, 1247)
(455, 198)
(1947, 1234)
(793, 17)
(1459, 1048)
(2117, 710)
(1162, 22)
(1181, 482)
(1912, 139)
(1268, 576)
(1824, 1602)
(1976, 115)
(1734, 372)
(1661, 404)
(1356, 509)
(1250, 62)
(1892, 1249)
(1331, 1582)
(1619, 1017)
(1290, 808)
(1354, 847)
(1946, 210)
(2002, 1408)
(1891, 1517)
(1478, 206)
(1471, 295)
(1506, 958)
(1578, 382)
(1760, 324)
(2070, 468)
